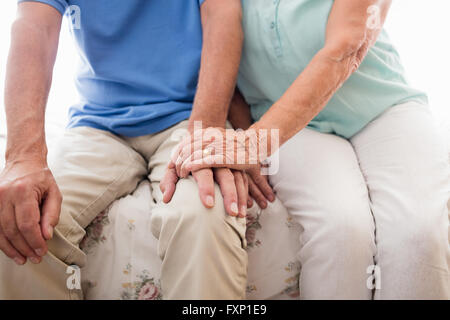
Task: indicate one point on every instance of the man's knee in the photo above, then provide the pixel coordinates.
(187, 215)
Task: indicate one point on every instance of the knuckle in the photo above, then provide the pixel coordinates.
(20, 186)
(10, 231)
(257, 179)
(7, 251)
(26, 227)
(204, 189)
(3, 189)
(230, 178)
(261, 198)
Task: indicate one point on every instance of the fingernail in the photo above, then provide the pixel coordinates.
(40, 252)
(34, 260)
(19, 261)
(210, 201)
(244, 210)
(234, 208)
(50, 231)
(271, 198)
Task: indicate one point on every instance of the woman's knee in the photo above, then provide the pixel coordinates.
(345, 225)
(418, 238)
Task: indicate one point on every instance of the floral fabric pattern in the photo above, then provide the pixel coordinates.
(143, 288)
(94, 232)
(123, 263)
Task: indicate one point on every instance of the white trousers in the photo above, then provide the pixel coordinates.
(374, 203)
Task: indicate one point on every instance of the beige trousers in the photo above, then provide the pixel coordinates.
(203, 250)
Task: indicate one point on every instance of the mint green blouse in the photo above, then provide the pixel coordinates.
(282, 37)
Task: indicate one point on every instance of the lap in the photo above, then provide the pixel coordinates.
(405, 165)
(319, 180)
(92, 168)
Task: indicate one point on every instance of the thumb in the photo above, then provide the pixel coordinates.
(51, 209)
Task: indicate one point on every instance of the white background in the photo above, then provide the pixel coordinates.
(420, 29)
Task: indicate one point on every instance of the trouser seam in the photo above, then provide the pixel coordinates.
(88, 207)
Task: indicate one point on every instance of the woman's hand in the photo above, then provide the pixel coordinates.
(259, 189)
(218, 147)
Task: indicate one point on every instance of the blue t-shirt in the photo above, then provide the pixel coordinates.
(140, 61)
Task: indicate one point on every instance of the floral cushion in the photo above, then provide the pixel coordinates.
(123, 261)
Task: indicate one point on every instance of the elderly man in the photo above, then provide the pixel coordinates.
(148, 68)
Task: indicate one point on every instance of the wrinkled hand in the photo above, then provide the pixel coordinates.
(30, 204)
(233, 185)
(215, 148)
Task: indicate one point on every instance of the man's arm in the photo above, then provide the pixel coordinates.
(221, 55)
(26, 185)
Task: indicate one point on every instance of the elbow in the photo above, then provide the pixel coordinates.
(349, 50)
(346, 46)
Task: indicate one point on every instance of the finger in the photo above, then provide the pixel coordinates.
(187, 151)
(263, 185)
(51, 209)
(27, 219)
(242, 193)
(10, 251)
(225, 179)
(257, 194)
(205, 182)
(175, 154)
(168, 184)
(249, 198)
(12, 233)
(210, 161)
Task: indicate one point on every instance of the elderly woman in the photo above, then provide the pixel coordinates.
(361, 165)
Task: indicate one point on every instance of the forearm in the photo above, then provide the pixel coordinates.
(305, 98)
(28, 79)
(349, 37)
(222, 46)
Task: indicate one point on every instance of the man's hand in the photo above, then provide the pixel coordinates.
(259, 188)
(30, 204)
(221, 52)
(233, 185)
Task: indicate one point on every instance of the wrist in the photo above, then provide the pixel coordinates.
(38, 157)
(199, 123)
(258, 142)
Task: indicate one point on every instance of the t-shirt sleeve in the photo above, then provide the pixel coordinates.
(60, 5)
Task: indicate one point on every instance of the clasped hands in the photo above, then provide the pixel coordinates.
(230, 157)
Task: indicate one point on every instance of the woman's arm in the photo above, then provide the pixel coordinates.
(353, 27)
